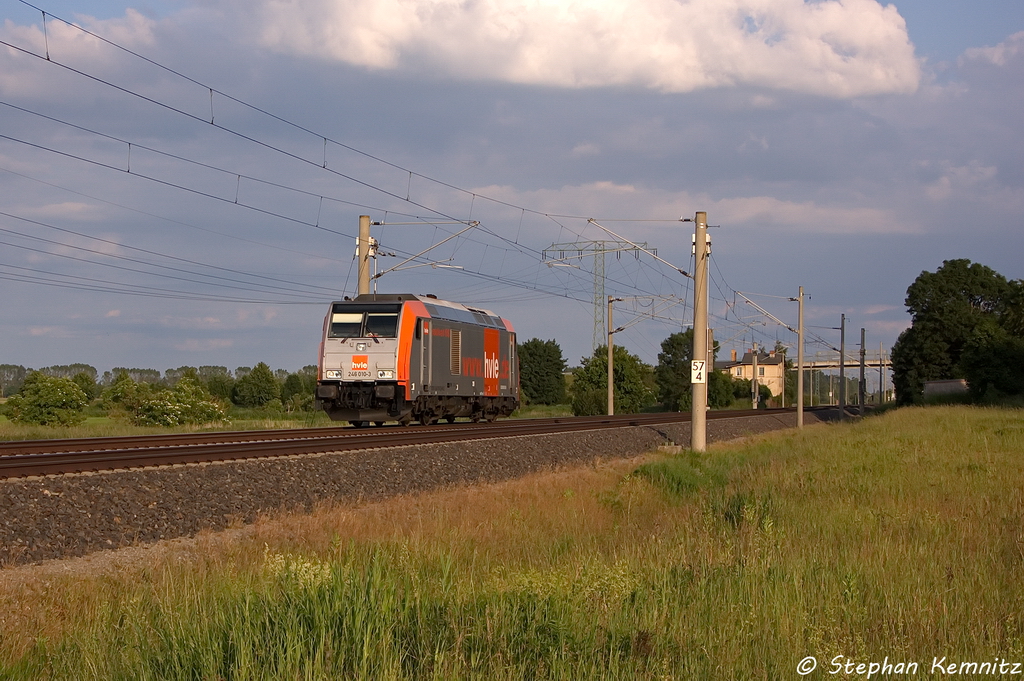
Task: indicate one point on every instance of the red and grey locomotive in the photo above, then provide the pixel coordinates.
(404, 357)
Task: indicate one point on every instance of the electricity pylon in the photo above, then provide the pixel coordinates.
(597, 250)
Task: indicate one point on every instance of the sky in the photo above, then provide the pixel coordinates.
(181, 180)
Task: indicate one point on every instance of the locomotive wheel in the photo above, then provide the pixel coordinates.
(491, 417)
(449, 419)
(427, 419)
(378, 423)
(358, 424)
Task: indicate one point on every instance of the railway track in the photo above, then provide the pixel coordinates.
(57, 457)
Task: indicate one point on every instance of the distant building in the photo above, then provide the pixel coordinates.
(770, 368)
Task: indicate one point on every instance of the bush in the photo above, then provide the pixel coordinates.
(256, 388)
(590, 383)
(48, 401)
(298, 389)
(188, 402)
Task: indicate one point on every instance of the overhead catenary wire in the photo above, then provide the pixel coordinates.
(572, 289)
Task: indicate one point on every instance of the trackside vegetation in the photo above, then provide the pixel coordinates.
(897, 537)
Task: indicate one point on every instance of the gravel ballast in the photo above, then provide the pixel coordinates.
(72, 515)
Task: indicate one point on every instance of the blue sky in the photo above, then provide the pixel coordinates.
(844, 147)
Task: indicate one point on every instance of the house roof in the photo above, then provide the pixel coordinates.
(763, 359)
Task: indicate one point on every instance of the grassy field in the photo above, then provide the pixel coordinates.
(899, 537)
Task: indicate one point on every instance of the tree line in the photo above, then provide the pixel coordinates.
(60, 394)
(638, 385)
(967, 321)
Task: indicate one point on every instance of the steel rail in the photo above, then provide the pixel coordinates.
(56, 457)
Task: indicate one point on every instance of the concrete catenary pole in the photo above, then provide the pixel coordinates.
(363, 254)
(753, 379)
(800, 361)
(699, 414)
(611, 363)
(881, 376)
(783, 393)
(842, 367)
(862, 384)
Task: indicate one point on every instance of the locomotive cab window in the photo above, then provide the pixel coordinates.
(364, 321)
(346, 324)
(382, 324)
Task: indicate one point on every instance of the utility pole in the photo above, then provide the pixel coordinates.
(881, 376)
(363, 254)
(611, 364)
(783, 394)
(842, 367)
(862, 385)
(698, 380)
(753, 379)
(800, 361)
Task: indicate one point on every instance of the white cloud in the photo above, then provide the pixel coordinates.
(66, 44)
(617, 200)
(808, 216)
(204, 345)
(999, 55)
(75, 210)
(837, 48)
(585, 149)
(964, 178)
(878, 309)
(48, 331)
(191, 322)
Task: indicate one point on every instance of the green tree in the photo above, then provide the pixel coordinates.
(11, 378)
(542, 372)
(995, 368)
(69, 370)
(257, 387)
(47, 401)
(590, 383)
(673, 375)
(298, 388)
(87, 382)
(137, 375)
(172, 376)
(218, 381)
(673, 371)
(952, 309)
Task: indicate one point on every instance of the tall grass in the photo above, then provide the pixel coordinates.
(900, 536)
(104, 426)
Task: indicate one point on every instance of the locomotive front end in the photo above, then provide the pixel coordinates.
(358, 367)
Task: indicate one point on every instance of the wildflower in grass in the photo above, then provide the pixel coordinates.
(592, 580)
(304, 572)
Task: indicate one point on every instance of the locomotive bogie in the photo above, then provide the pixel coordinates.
(409, 358)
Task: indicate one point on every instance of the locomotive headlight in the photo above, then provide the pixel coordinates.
(331, 373)
(385, 373)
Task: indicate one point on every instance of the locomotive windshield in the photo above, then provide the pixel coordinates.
(350, 320)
